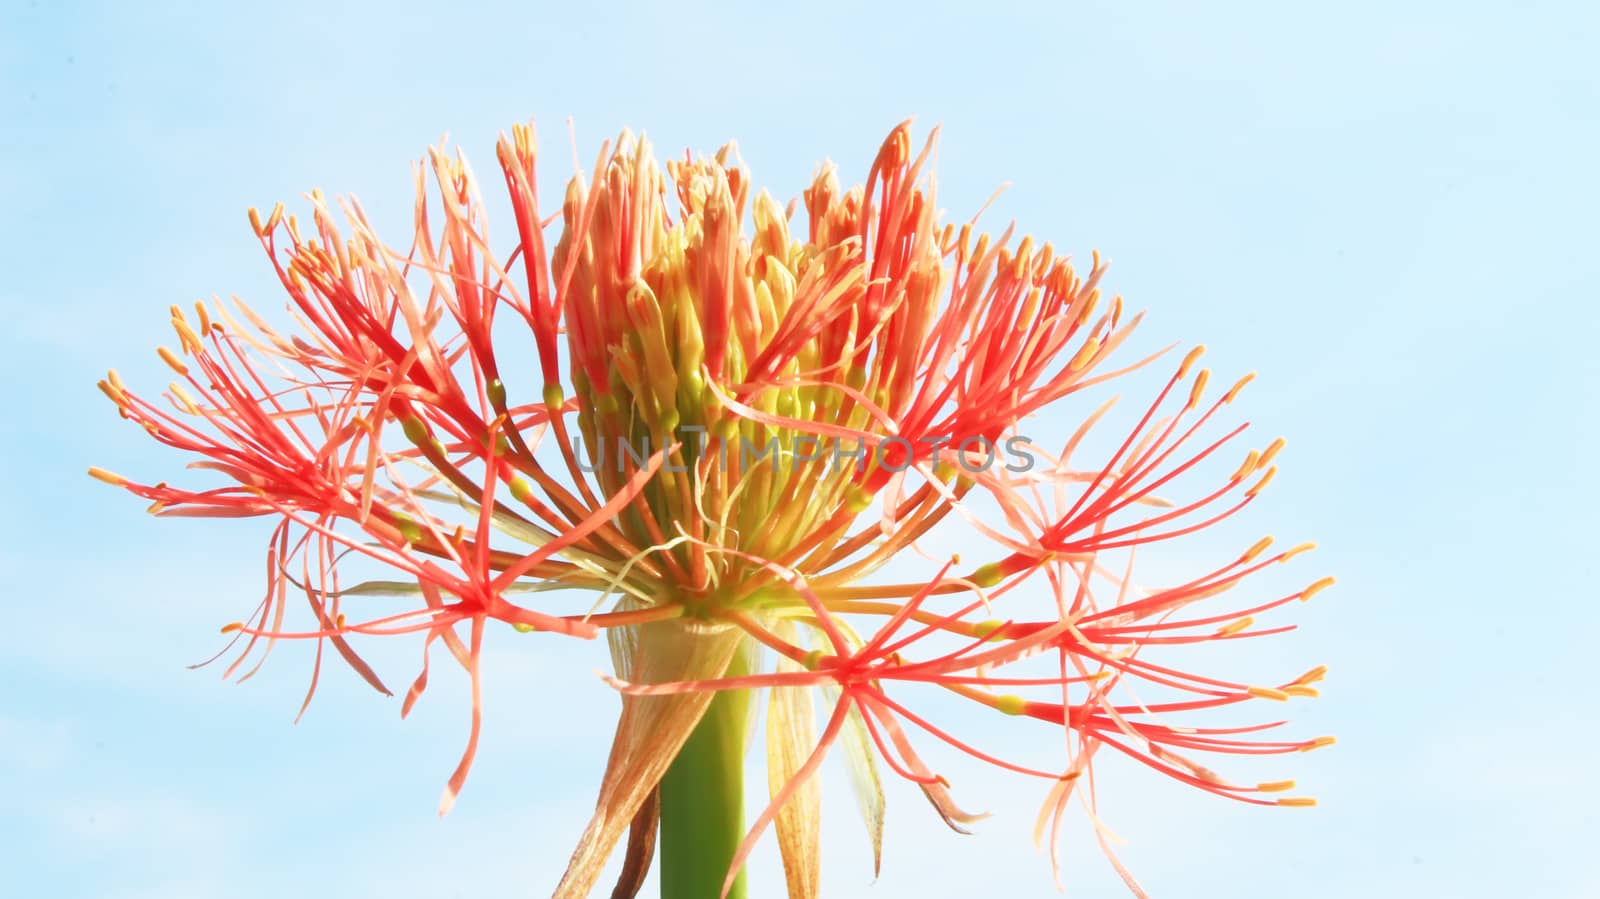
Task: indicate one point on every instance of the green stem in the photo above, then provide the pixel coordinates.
(702, 800)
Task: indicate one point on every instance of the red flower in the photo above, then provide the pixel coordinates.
(731, 435)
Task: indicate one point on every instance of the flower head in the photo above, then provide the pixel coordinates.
(724, 437)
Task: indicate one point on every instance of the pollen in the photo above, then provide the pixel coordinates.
(1297, 802)
(1275, 786)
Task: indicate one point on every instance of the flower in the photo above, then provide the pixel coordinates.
(725, 439)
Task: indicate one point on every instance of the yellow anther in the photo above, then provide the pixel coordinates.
(1297, 802)
(112, 393)
(1297, 550)
(1312, 676)
(1259, 547)
(1318, 743)
(1262, 484)
(987, 575)
(812, 659)
(1315, 588)
(409, 530)
(522, 490)
(1250, 461)
(1011, 705)
(984, 629)
(1271, 451)
(186, 334)
(1190, 360)
(204, 316)
(106, 477)
(522, 628)
(415, 430)
(338, 622)
(232, 626)
(184, 399)
(1199, 387)
(1301, 690)
(1235, 627)
(114, 379)
(553, 396)
(1272, 693)
(1275, 786)
(1085, 354)
(256, 224)
(1233, 392)
(172, 360)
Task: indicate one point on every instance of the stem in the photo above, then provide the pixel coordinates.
(702, 800)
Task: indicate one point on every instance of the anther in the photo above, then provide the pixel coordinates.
(1269, 693)
(1297, 550)
(1235, 627)
(1315, 588)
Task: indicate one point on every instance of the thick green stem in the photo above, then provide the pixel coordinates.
(702, 801)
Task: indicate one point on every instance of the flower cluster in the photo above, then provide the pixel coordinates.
(381, 429)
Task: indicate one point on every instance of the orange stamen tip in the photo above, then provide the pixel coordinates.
(1318, 743)
(1271, 451)
(338, 622)
(1199, 387)
(1312, 676)
(1301, 690)
(1259, 547)
(1262, 484)
(1085, 355)
(1297, 802)
(1272, 693)
(1190, 360)
(1275, 786)
(1315, 588)
(172, 360)
(106, 477)
(1233, 392)
(1235, 627)
(1251, 460)
(232, 627)
(1297, 550)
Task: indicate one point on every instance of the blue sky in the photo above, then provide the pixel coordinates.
(1389, 213)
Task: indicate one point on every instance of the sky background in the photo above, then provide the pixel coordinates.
(1388, 211)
